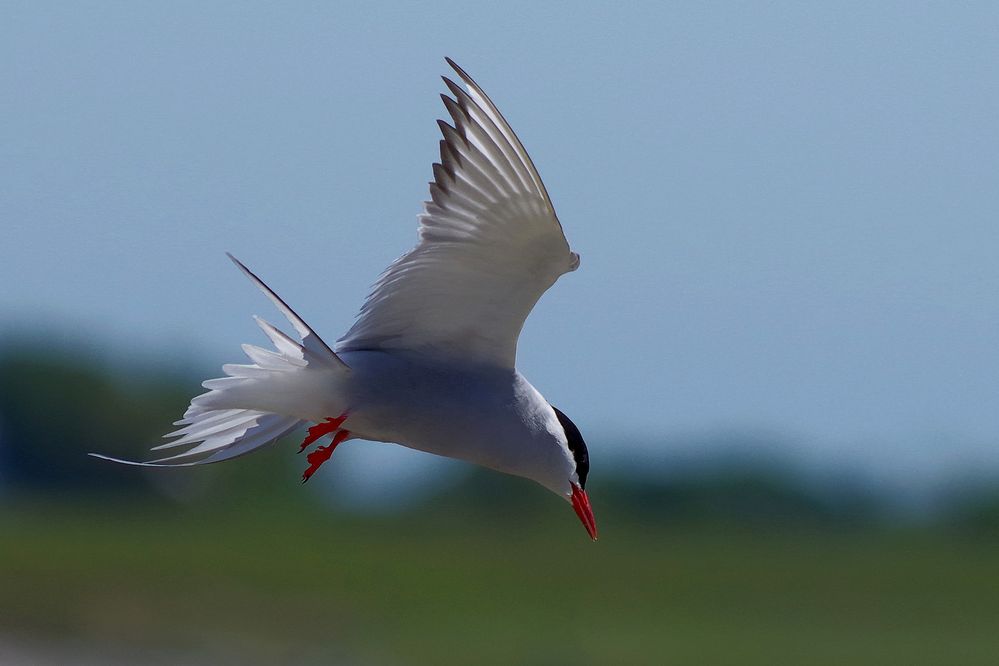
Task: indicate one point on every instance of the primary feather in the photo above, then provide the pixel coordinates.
(490, 245)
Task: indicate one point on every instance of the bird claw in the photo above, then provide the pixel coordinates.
(327, 427)
(322, 454)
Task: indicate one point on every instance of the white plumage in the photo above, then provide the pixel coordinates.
(430, 361)
(490, 245)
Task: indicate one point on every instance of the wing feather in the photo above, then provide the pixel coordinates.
(489, 245)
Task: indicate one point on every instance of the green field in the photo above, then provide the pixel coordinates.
(241, 581)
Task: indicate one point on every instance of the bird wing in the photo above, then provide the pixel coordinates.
(489, 246)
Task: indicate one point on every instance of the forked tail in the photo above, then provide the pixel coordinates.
(258, 403)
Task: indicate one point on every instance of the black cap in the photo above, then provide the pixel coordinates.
(576, 445)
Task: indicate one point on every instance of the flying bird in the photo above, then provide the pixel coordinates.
(429, 362)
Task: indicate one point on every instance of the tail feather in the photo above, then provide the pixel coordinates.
(188, 420)
(269, 360)
(244, 371)
(256, 404)
(254, 441)
(311, 342)
(284, 344)
(214, 423)
(256, 430)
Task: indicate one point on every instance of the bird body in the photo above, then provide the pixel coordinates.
(485, 415)
(430, 361)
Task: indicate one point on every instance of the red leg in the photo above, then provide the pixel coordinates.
(327, 427)
(322, 454)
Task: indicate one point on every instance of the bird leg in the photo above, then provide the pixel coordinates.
(327, 427)
(323, 453)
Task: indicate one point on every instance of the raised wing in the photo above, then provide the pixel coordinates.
(489, 246)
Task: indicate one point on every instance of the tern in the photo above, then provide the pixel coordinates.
(430, 362)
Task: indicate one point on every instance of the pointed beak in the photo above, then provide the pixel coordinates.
(581, 503)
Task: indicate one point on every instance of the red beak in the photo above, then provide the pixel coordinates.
(581, 503)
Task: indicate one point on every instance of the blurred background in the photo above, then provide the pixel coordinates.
(781, 347)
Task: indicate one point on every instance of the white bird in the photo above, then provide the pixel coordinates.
(430, 361)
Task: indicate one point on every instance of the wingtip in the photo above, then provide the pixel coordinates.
(239, 264)
(455, 89)
(457, 68)
(243, 269)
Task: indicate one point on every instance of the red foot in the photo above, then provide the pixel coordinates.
(329, 426)
(322, 454)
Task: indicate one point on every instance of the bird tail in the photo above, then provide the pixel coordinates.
(257, 403)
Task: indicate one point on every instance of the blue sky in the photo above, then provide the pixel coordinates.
(788, 214)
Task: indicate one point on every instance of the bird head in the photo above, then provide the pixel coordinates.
(576, 495)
